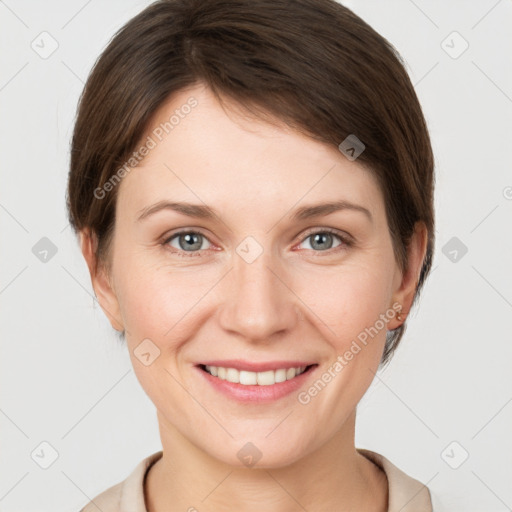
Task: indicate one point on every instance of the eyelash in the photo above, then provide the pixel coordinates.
(346, 242)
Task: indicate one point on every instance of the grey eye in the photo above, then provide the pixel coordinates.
(189, 241)
(322, 240)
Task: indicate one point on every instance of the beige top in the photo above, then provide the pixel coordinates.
(405, 493)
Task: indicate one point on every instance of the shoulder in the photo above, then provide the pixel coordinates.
(125, 495)
(107, 501)
(405, 493)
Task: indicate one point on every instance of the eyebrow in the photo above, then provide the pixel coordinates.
(205, 212)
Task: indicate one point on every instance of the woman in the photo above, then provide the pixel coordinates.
(218, 145)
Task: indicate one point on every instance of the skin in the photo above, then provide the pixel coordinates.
(294, 301)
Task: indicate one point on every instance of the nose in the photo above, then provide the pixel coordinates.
(259, 302)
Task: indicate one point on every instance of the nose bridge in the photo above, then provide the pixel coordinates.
(258, 304)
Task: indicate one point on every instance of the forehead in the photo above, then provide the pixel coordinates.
(199, 149)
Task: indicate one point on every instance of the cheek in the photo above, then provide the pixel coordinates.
(348, 298)
(160, 310)
(154, 301)
(354, 302)
(162, 302)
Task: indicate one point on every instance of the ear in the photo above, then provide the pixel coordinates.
(100, 280)
(406, 283)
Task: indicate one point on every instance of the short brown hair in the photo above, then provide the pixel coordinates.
(313, 64)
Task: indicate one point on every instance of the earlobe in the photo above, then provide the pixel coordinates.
(103, 289)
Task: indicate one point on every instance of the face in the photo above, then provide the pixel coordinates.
(264, 282)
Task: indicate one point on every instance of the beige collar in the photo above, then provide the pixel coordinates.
(405, 493)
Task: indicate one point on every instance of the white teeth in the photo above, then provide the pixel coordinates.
(246, 378)
(280, 375)
(266, 378)
(290, 373)
(232, 375)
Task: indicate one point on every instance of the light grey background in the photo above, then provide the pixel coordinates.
(66, 381)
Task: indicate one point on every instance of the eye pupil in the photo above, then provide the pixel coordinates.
(191, 241)
(320, 237)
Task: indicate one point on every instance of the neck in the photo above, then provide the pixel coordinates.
(333, 477)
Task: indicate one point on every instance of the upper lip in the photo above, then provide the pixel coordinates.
(251, 366)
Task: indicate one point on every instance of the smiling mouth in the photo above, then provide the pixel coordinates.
(247, 378)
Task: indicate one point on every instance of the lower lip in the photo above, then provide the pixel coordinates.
(255, 393)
